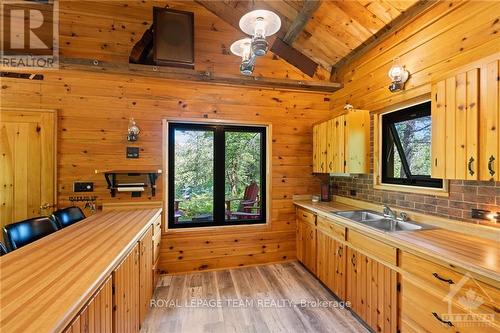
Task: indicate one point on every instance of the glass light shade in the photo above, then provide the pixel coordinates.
(260, 23)
(397, 73)
(242, 48)
(133, 130)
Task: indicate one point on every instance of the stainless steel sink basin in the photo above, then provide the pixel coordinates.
(380, 222)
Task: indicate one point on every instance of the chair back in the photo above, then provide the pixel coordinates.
(3, 249)
(67, 216)
(18, 234)
(251, 192)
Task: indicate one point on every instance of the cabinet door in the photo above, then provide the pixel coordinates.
(330, 263)
(300, 240)
(126, 297)
(97, 315)
(336, 146)
(357, 141)
(316, 150)
(309, 248)
(490, 122)
(371, 287)
(145, 273)
(455, 128)
(322, 138)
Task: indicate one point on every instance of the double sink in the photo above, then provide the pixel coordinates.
(380, 221)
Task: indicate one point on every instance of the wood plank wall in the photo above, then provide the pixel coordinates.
(448, 36)
(94, 108)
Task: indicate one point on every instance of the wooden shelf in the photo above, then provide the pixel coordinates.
(110, 176)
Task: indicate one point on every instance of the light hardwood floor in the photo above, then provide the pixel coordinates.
(242, 297)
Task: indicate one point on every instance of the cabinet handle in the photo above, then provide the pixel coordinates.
(339, 251)
(353, 260)
(436, 161)
(469, 165)
(449, 281)
(330, 165)
(322, 164)
(447, 322)
(490, 165)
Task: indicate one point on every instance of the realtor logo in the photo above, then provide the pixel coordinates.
(470, 297)
(29, 34)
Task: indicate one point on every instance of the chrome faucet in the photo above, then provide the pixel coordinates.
(388, 212)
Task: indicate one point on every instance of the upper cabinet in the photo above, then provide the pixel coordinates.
(465, 121)
(342, 144)
(455, 104)
(489, 120)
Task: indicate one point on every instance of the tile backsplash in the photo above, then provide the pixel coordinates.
(464, 195)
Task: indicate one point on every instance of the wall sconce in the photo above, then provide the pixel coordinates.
(399, 75)
(133, 130)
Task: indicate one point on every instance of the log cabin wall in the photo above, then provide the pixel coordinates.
(450, 36)
(93, 112)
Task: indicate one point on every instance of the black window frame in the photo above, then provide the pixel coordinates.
(219, 204)
(389, 129)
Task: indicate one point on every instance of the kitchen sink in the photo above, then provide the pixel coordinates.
(378, 221)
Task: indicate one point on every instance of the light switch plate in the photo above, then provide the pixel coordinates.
(132, 152)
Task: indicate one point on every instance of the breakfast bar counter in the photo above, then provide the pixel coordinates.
(45, 284)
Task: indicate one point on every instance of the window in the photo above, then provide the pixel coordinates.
(406, 147)
(217, 175)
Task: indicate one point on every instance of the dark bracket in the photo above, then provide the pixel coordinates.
(113, 186)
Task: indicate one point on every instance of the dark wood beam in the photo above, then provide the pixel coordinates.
(206, 77)
(408, 15)
(300, 22)
(294, 57)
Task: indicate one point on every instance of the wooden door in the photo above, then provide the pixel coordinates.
(309, 246)
(27, 164)
(489, 166)
(145, 273)
(357, 141)
(371, 287)
(455, 136)
(316, 151)
(330, 263)
(322, 146)
(126, 297)
(97, 315)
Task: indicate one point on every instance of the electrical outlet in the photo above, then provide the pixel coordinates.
(83, 187)
(353, 193)
(132, 152)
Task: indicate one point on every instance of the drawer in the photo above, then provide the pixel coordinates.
(372, 247)
(422, 311)
(157, 226)
(156, 247)
(306, 216)
(331, 228)
(445, 280)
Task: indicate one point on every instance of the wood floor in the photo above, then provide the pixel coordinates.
(268, 298)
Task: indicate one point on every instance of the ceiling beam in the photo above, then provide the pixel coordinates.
(300, 22)
(408, 15)
(204, 77)
(231, 12)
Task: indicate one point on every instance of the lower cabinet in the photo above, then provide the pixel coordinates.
(331, 263)
(306, 239)
(145, 273)
(372, 289)
(126, 298)
(97, 315)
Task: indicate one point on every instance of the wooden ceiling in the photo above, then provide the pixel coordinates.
(325, 31)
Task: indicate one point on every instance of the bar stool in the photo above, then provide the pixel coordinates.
(22, 233)
(67, 216)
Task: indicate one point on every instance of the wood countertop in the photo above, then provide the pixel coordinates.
(477, 255)
(43, 285)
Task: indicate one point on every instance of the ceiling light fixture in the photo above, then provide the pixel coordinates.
(399, 75)
(259, 24)
(243, 48)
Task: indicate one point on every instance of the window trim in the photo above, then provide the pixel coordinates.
(378, 154)
(266, 173)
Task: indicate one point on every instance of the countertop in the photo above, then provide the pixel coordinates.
(43, 285)
(474, 254)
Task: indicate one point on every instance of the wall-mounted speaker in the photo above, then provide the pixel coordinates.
(173, 38)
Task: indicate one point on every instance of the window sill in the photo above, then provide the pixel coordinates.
(440, 192)
(233, 228)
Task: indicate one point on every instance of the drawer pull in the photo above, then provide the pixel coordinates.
(436, 275)
(447, 322)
